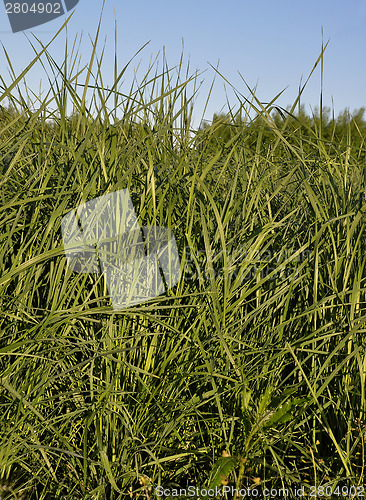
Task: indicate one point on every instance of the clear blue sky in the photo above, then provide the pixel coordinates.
(273, 43)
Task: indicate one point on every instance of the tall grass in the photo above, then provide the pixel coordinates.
(251, 371)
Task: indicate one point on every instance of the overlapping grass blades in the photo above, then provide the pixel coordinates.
(259, 351)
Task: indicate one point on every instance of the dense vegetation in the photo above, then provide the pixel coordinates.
(251, 371)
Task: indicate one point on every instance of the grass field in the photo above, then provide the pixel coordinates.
(251, 371)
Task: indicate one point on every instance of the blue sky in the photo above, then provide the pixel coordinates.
(271, 43)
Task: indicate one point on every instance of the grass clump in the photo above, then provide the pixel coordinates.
(251, 371)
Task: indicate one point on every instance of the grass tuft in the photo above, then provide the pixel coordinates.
(251, 370)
